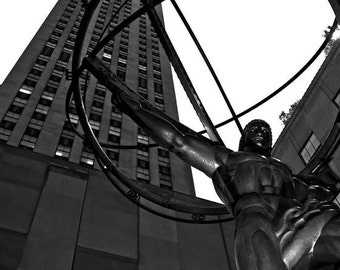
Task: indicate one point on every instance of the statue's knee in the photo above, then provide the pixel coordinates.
(261, 239)
(267, 251)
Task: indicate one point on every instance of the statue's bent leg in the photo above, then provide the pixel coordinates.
(256, 246)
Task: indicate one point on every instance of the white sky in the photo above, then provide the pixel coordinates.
(254, 47)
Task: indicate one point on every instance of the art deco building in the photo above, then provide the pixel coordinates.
(57, 210)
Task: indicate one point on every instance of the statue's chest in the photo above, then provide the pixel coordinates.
(253, 173)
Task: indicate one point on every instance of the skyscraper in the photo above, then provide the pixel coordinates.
(58, 211)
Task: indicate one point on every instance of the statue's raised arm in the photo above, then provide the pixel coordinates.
(193, 148)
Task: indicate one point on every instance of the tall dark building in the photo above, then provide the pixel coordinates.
(57, 209)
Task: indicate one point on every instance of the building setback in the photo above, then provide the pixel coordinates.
(57, 209)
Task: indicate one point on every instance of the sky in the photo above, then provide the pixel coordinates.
(254, 47)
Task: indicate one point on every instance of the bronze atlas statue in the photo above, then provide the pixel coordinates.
(280, 222)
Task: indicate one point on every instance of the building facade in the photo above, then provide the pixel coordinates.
(57, 210)
(309, 143)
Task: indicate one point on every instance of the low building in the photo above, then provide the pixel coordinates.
(309, 143)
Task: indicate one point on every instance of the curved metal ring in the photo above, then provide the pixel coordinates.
(148, 197)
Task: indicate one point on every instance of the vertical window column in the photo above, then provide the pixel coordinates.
(143, 164)
(156, 69)
(66, 140)
(13, 113)
(164, 169)
(114, 134)
(115, 126)
(35, 125)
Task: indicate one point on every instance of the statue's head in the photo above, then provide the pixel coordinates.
(257, 138)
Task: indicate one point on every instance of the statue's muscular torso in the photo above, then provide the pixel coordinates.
(254, 179)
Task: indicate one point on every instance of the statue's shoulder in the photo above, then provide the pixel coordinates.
(241, 157)
(276, 160)
(278, 163)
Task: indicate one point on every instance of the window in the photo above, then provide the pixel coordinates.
(97, 104)
(4, 134)
(142, 49)
(163, 153)
(158, 87)
(30, 138)
(42, 109)
(39, 116)
(47, 95)
(41, 62)
(99, 92)
(19, 101)
(35, 123)
(142, 82)
(142, 174)
(123, 49)
(12, 117)
(142, 139)
(113, 139)
(159, 100)
(156, 60)
(164, 170)
(95, 117)
(64, 56)
(143, 92)
(121, 64)
(142, 55)
(143, 164)
(115, 123)
(63, 152)
(310, 148)
(142, 42)
(35, 71)
(113, 154)
(7, 125)
(28, 142)
(45, 101)
(157, 76)
(87, 157)
(30, 83)
(47, 51)
(160, 106)
(107, 55)
(121, 74)
(155, 53)
(50, 89)
(32, 132)
(337, 99)
(16, 109)
(94, 124)
(116, 113)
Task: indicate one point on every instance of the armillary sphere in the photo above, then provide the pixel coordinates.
(165, 203)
